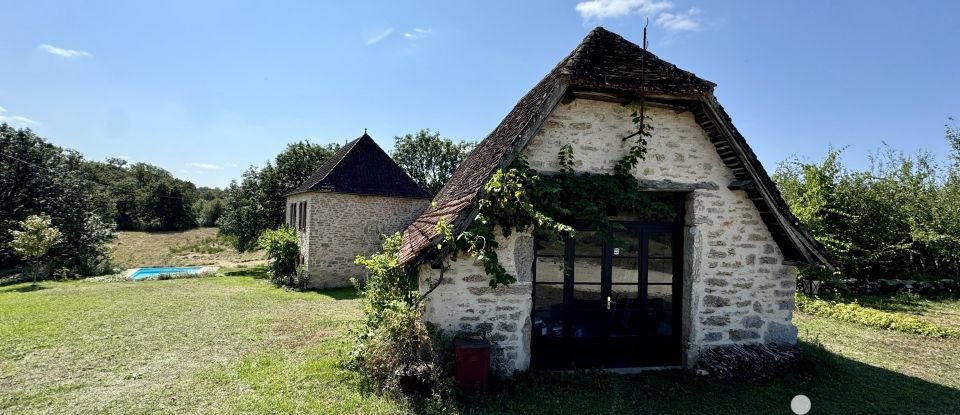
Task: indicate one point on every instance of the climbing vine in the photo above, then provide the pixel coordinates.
(520, 197)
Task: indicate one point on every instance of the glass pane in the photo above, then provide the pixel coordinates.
(546, 247)
(660, 296)
(587, 269)
(549, 269)
(660, 271)
(659, 309)
(625, 270)
(588, 244)
(625, 244)
(661, 244)
(547, 324)
(586, 292)
(548, 296)
(625, 293)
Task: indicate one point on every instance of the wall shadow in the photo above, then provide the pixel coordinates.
(833, 383)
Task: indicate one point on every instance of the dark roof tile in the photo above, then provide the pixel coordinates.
(362, 167)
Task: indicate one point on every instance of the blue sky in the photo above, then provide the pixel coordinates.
(206, 88)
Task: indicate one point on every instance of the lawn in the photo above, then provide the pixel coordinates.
(199, 246)
(237, 344)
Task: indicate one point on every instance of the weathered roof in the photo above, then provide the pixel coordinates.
(607, 63)
(362, 167)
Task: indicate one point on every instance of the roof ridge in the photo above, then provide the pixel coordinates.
(372, 172)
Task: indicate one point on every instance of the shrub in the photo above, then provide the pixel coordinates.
(283, 251)
(855, 313)
(394, 349)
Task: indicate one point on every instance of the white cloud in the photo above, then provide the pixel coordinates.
(418, 33)
(377, 37)
(16, 120)
(230, 165)
(66, 53)
(658, 10)
(207, 166)
(679, 22)
(122, 157)
(606, 9)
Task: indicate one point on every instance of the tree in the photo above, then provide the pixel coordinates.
(429, 159)
(38, 178)
(35, 240)
(259, 201)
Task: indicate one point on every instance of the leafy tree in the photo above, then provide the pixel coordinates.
(900, 218)
(258, 203)
(208, 212)
(245, 216)
(38, 178)
(35, 240)
(429, 159)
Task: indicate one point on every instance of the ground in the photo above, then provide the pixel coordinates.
(199, 246)
(237, 344)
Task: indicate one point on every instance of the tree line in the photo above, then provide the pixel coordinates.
(86, 200)
(897, 218)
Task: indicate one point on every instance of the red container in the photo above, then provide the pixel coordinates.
(473, 365)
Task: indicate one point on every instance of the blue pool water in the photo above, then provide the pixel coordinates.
(153, 272)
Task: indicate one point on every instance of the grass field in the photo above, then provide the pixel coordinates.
(192, 247)
(237, 344)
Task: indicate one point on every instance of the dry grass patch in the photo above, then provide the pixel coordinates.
(200, 246)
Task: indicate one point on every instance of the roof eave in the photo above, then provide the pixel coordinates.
(802, 240)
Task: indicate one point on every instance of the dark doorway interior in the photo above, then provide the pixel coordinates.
(609, 301)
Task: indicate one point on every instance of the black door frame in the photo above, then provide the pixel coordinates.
(643, 229)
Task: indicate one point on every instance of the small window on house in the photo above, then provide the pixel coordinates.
(293, 215)
(303, 216)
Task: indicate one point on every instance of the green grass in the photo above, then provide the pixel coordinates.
(237, 344)
(888, 320)
(210, 345)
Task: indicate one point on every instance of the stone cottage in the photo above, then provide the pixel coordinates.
(721, 272)
(344, 208)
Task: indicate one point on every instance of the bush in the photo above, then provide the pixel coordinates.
(896, 219)
(283, 251)
(394, 349)
(855, 313)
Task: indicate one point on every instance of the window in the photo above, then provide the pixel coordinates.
(303, 216)
(291, 221)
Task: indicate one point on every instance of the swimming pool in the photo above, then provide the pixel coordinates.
(142, 273)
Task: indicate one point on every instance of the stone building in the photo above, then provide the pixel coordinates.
(346, 207)
(721, 272)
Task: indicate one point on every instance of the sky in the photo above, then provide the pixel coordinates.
(205, 89)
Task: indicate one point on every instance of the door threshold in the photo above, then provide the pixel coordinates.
(622, 370)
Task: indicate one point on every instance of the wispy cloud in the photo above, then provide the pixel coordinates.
(206, 166)
(66, 53)
(680, 22)
(16, 120)
(418, 33)
(659, 10)
(379, 36)
(230, 165)
(607, 9)
(123, 157)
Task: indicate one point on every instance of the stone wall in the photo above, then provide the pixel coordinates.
(736, 288)
(342, 226)
(464, 303)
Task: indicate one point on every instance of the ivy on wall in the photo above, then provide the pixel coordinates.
(520, 197)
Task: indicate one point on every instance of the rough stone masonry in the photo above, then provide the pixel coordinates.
(736, 288)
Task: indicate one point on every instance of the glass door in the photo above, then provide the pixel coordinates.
(608, 301)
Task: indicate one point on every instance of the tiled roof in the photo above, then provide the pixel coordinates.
(607, 63)
(362, 167)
